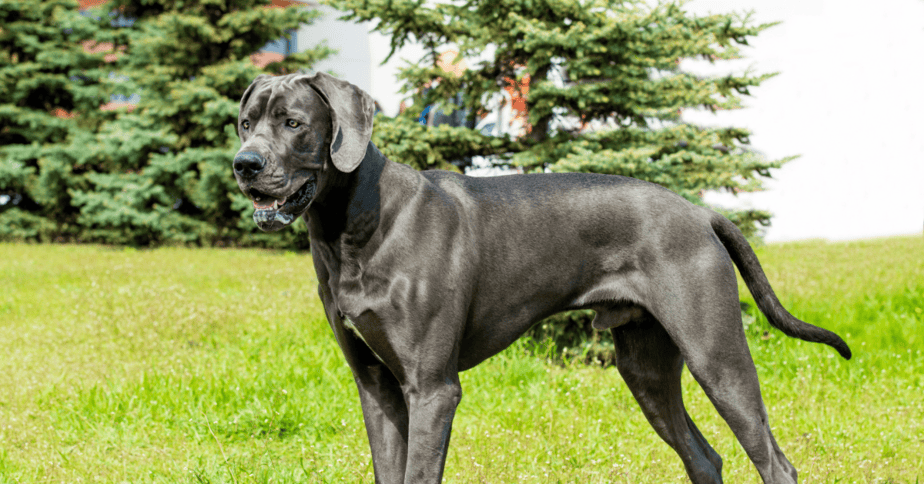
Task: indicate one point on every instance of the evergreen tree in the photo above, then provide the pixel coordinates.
(163, 168)
(603, 91)
(601, 79)
(51, 86)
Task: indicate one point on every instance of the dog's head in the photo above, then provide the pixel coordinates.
(298, 132)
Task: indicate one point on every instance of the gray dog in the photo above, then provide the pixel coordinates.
(425, 275)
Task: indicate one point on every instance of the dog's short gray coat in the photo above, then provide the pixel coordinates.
(424, 275)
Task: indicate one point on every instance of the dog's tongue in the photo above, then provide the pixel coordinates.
(268, 203)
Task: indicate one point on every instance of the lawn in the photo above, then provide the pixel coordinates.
(196, 365)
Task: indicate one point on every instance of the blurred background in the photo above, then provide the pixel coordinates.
(838, 129)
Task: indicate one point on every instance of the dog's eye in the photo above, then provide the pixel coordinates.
(292, 123)
(245, 124)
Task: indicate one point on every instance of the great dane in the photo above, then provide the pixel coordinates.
(427, 274)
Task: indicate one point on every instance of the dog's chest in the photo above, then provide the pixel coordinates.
(350, 325)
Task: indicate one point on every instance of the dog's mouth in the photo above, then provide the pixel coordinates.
(271, 213)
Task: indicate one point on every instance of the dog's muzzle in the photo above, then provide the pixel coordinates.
(272, 214)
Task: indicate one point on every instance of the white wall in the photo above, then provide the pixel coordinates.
(849, 99)
(353, 62)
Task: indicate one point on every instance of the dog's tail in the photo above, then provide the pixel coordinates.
(754, 277)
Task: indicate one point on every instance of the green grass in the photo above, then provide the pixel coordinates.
(178, 365)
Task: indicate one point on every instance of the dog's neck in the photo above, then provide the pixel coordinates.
(363, 211)
(349, 212)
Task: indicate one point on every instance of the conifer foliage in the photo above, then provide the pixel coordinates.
(158, 169)
(50, 90)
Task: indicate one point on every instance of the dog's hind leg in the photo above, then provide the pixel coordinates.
(726, 372)
(704, 321)
(650, 363)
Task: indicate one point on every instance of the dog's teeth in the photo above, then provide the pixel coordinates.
(271, 203)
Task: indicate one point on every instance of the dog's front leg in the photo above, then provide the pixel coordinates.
(408, 429)
(386, 418)
(384, 408)
(432, 407)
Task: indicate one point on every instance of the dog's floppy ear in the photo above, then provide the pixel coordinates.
(351, 111)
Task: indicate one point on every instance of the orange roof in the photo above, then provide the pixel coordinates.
(112, 106)
(262, 59)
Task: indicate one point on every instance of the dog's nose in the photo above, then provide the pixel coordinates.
(247, 164)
